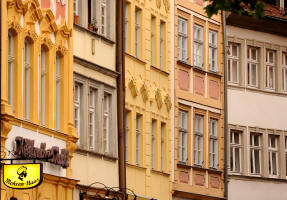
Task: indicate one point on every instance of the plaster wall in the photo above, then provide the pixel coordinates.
(256, 190)
(256, 109)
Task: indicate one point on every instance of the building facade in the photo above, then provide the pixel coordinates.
(257, 86)
(198, 103)
(37, 91)
(95, 162)
(148, 101)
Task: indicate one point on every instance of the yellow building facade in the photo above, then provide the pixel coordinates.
(148, 101)
(199, 103)
(37, 89)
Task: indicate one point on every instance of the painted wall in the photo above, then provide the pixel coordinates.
(148, 95)
(256, 189)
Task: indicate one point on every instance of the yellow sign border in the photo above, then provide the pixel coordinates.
(23, 188)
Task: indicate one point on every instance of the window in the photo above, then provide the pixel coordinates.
(138, 135)
(233, 63)
(127, 136)
(152, 29)
(162, 45)
(162, 141)
(270, 69)
(198, 147)
(58, 62)
(103, 17)
(11, 68)
(252, 66)
(213, 51)
(284, 72)
(126, 26)
(255, 153)
(77, 108)
(92, 118)
(182, 40)
(198, 46)
(182, 156)
(43, 83)
(273, 155)
(27, 79)
(213, 144)
(137, 32)
(153, 142)
(235, 151)
(107, 121)
(76, 7)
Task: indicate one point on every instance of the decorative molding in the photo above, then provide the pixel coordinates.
(14, 25)
(158, 98)
(47, 41)
(167, 101)
(166, 5)
(144, 92)
(133, 87)
(158, 3)
(31, 33)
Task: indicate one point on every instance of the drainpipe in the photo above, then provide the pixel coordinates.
(120, 67)
(225, 109)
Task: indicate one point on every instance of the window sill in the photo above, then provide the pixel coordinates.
(183, 165)
(136, 58)
(185, 64)
(253, 177)
(198, 167)
(95, 154)
(104, 38)
(135, 166)
(214, 170)
(159, 70)
(160, 172)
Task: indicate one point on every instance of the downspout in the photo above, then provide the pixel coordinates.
(225, 109)
(120, 67)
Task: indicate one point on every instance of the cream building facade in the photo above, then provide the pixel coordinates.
(37, 90)
(257, 78)
(95, 98)
(148, 101)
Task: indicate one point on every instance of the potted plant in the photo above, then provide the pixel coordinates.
(94, 25)
(90, 26)
(76, 19)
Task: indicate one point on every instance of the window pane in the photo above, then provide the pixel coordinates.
(257, 161)
(237, 159)
(234, 50)
(254, 74)
(234, 71)
(256, 140)
(236, 138)
(274, 163)
(231, 159)
(253, 54)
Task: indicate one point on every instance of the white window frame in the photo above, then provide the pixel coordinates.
(273, 150)
(162, 141)
(137, 32)
(183, 133)
(198, 147)
(126, 26)
(253, 149)
(11, 68)
(43, 84)
(152, 38)
(231, 60)
(92, 117)
(182, 40)
(127, 136)
(27, 79)
(58, 82)
(270, 66)
(198, 46)
(77, 108)
(103, 17)
(107, 120)
(233, 147)
(250, 64)
(76, 7)
(213, 48)
(284, 72)
(213, 144)
(138, 132)
(153, 140)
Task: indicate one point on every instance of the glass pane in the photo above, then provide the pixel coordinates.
(271, 59)
(234, 71)
(273, 142)
(229, 69)
(257, 161)
(248, 73)
(236, 138)
(237, 159)
(256, 140)
(234, 50)
(274, 163)
(231, 159)
(254, 74)
(251, 161)
(271, 77)
(253, 54)
(286, 163)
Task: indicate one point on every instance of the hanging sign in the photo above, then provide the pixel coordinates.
(22, 176)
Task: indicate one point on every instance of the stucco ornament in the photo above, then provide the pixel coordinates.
(166, 5)
(133, 87)
(158, 3)
(158, 98)
(144, 92)
(14, 25)
(167, 101)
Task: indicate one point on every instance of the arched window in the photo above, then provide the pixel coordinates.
(27, 78)
(58, 82)
(43, 84)
(10, 69)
